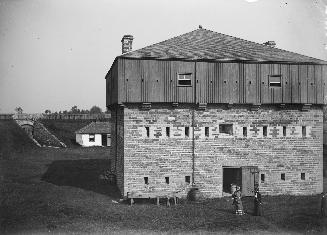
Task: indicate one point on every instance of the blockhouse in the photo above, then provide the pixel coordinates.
(208, 110)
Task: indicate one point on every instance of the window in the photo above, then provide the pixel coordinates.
(284, 130)
(91, 138)
(275, 81)
(184, 79)
(302, 176)
(245, 131)
(146, 180)
(264, 129)
(282, 176)
(188, 179)
(304, 131)
(147, 131)
(262, 178)
(168, 131)
(187, 131)
(167, 180)
(206, 131)
(226, 128)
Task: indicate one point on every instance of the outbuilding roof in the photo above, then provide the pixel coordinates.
(203, 44)
(95, 128)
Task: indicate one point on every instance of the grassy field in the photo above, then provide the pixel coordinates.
(46, 190)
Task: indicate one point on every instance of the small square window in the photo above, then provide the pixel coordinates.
(146, 180)
(185, 79)
(147, 131)
(91, 137)
(187, 131)
(206, 131)
(226, 128)
(167, 180)
(275, 81)
(262, 178)
(264, 129)
(245, 131)
(168, 131)
(188, 179)
(302, 176)
(282, 176)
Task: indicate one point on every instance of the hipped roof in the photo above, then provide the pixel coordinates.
(206, 45)
(95, 128)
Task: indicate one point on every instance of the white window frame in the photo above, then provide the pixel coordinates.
(182, 77)
(90, 138)
(274, 84)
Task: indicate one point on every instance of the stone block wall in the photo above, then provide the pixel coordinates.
(117, 143)
(154, 145)
(293, 145)
(156, 155)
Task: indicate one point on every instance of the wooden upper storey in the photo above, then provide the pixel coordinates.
(207, 67)
(134, 81)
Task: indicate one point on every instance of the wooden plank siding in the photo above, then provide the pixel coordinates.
(112, 84)
(156, 81)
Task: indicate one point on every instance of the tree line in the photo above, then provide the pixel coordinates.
(75, 110)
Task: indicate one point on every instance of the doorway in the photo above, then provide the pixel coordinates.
(104, 139)
(246, 177)
(231, 176)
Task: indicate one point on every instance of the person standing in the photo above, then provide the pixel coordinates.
(324, 205)
(237, 201)
(257, 202)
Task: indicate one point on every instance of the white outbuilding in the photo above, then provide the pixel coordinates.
(94, 134)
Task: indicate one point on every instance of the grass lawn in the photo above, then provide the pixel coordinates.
(57, 190)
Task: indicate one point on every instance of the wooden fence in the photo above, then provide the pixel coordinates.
(76, 116)
(6, 116)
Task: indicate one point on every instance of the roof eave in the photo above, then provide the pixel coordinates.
(224, 60)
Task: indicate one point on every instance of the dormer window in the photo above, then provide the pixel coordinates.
(184, 79)
(275, 81)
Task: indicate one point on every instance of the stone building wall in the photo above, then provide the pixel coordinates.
(117, 143)
(285, 151)
(150, 152)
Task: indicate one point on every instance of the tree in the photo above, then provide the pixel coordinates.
(74, 110)
(19, 110)
(47, 111)
(95, 110)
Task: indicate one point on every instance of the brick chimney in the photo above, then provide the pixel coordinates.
(127, 42)
(270, 43)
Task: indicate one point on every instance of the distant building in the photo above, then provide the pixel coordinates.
(94, 134)
(211, 110)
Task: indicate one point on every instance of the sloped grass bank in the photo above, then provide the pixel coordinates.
(13, 139)
(64, 130)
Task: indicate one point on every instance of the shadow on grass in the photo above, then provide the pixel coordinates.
(81, 174)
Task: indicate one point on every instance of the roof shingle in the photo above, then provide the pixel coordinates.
(202, 44)
(95, 128)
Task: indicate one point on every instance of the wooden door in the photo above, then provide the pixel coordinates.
(104, 139)
(250, 178)
(108, 140)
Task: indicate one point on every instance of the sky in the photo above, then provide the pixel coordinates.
(54, 54)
